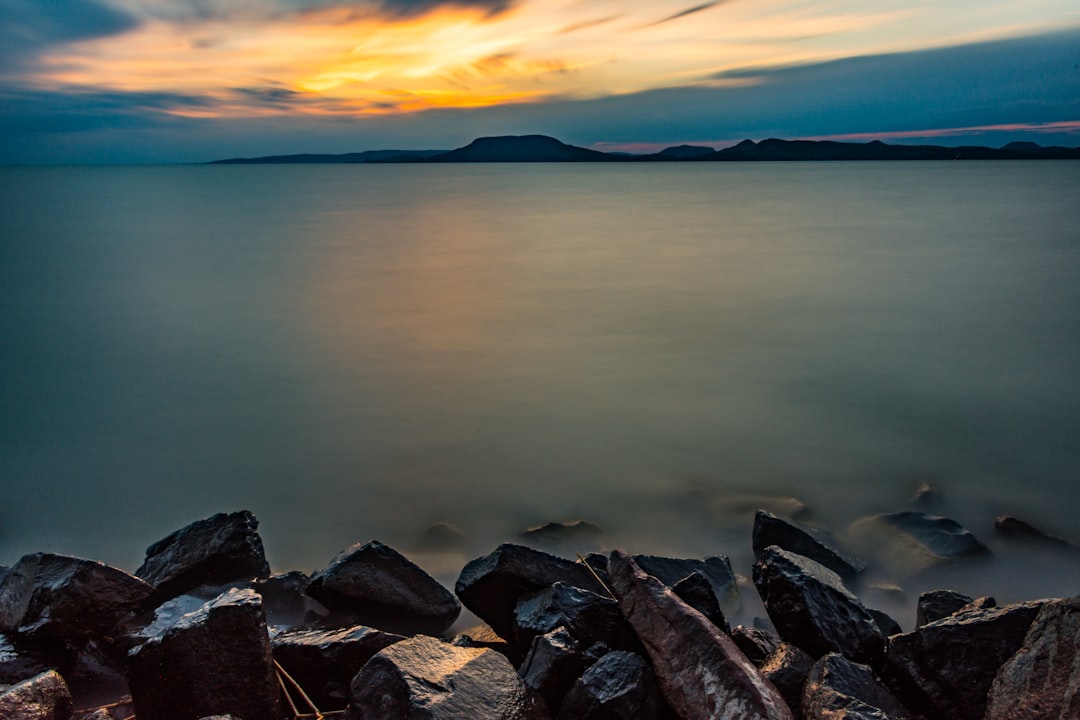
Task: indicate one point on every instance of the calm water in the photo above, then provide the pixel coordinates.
(358, 352)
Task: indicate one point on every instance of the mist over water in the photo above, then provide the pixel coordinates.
(357, 352)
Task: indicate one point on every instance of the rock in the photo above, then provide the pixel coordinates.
(554, 662)
(716, 569)
(839, 688)
(442, 537)
(1014, 528)
(490, 586)
(284, 600)
(982, 603)
(786, 668)
(20, 663)
(378, 586)
(578, 536)
(213, 551)
(937, 604)
(587, 616)
(97, 673)
(811, 608)
(425, 679)
(809, 542)
(885, 622)
(911, 541)
(66, 598)
(756, 643)
(136, 630)
(1042, 680)
(945, 668)
(42, 697)
(701, 672)
(925, 497)
(324, 662)
(482, 636)
(619, 686)
(215, 660)
(696, 591)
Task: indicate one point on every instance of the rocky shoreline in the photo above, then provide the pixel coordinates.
(204, 629)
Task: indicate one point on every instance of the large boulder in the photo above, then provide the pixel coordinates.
(701, 672)
(839, 689)
(934, 605)
(426, 679)
(618, 686)
(945, 668)
(490, 586)
(813, 609)
(67, 598)
(18, 663)
(911, 541)
(554, 662)
(786, 668)
(770, 529)
(42, 697)
(216, 660)
(1042, 680)
(716, 569)
(587, 616)
(378, 586)
(324, 662)
(213, 551)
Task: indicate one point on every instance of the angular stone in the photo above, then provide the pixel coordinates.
(716, 569)
(885, 622)
(945, 668)
(324, 662)
(619, 686)
(215, 660)
(911, 541)
(578, 536)
(934, 605)
(490, 586)
(284, 600)
(378, 586)
(57, 596)
(837, 688)
(213, 551)
(786, 668)
(811, 608)
(587, 616)
(482, 636)
(18, 663)
(425, 679)
(554, 662)
(809, 542)
(696, 591)
(1014, 528)
(42, 697)
(1042, 680)
(756, 643)
(701, 672)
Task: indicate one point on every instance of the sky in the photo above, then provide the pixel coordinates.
(151, 81)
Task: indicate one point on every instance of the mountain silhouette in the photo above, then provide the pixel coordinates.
(523, 148)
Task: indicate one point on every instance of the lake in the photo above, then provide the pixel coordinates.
(357, 352)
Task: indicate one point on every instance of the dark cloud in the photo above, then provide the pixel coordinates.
(684, 13)
(43, 112)
(411, 8)
(28, 27)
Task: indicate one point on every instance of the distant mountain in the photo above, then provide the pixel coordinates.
(523, 148)
(681, 152)
(367, 156)
(796, 150)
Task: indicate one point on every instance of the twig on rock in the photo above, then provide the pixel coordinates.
(597, 577)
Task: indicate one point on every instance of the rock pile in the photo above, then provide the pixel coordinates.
(203, 630)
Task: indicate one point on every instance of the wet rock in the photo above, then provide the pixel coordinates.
(42, 697)
(809, 542)
(57, 596)
(1042, 680)
(911, 541)
(324, 662)
(1014, 528)
(982, 603)
(97, 672)
(756, 643)
(811, 608)
(945, 668)
(696, 591)
(786, 668)
(839, 688)
(578, 536)
(215, 660)
(425, 679)
(701, 672)
(284, 600)
(587, 616)
(937, 604)
(212, 551)
(18, 663)
(716, 569)
(554, 662)
(885, 622)
(619, 686)
(490, 586)
(378, 586)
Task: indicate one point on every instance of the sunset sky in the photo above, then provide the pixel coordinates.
(172, 81)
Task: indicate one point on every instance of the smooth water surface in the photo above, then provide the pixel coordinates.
(356, 352)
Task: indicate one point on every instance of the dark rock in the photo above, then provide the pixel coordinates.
(212, 551)
(284, 600)
(696, 591)
(937, 604)
(482, 636)
(67, 598)
(136, 630)
(982, 603)
(97, 673)
(442, 537)
(378, 586)
(578, 536)
(809, 542)
(587, 616)
(619, 686)
(702, 673)
(885, 622)
(945, 668)
(811, 608)
(18, 663)
(1042, 680)
(716, 569)
(1014, 528)
(911, 541)
(554, 662)
(42, 697)
(324, 662)
(786, 668)
(839, 688)
(756, 643)
(215, 660)
(425, 679)
(925, 497)
(490, 586)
